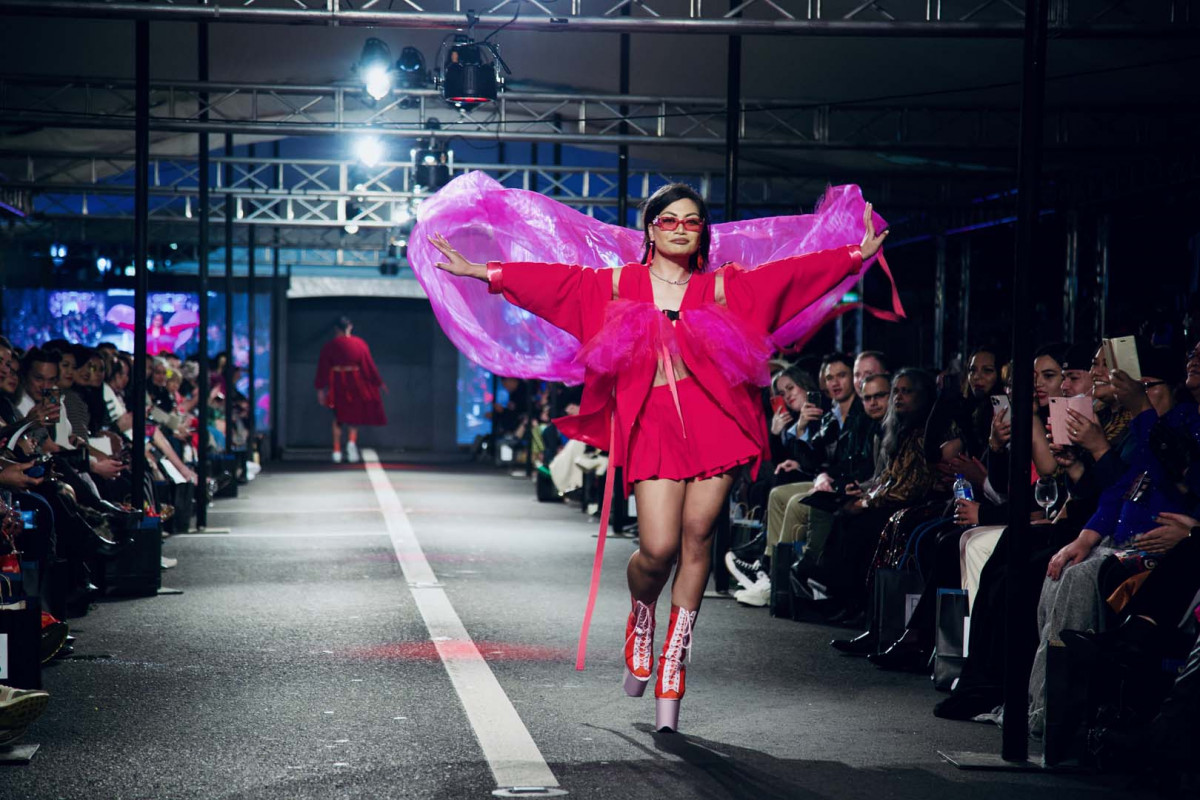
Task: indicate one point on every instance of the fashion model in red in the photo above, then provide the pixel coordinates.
(672, 352)
(348, 382)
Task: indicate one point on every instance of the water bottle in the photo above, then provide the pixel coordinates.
(962, 488)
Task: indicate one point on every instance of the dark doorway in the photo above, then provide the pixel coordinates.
(417, 361)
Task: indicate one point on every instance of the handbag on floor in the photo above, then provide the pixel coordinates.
(949, 652)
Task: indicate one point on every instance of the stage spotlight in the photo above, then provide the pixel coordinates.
(103, 265)
(410, 67)
(369, 150)
(471, 71)
(431, 170)
(352, 212)
(58, 253)
(374, 68)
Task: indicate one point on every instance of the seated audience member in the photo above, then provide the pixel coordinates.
(10, 382)
(903, 478)
(1127, 510)
(840, 452)
(866, 364)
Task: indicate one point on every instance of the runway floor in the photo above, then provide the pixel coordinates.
(301, 662)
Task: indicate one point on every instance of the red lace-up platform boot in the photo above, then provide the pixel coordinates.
(670, 687)
(639, 648)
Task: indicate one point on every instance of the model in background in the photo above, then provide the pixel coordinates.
(348, 382)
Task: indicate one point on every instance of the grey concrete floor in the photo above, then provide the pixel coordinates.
(295, 665)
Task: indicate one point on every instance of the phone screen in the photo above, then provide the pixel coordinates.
(28, 518)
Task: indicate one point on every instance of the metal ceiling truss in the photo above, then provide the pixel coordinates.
(332, 193)
(580, 119)
(895, 18)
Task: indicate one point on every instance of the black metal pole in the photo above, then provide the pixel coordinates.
(251, 319)
(733, 119)
(204, 379)
(964, 301)
(623, 128)
(230, 213)
(141, 246)
(1016, 676)
(276, 344)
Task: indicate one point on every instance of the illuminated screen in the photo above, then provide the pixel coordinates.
(34, 316)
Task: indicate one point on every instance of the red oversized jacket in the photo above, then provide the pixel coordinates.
(574, 299)
(345, 368)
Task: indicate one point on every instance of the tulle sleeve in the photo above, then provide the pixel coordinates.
(774, 293)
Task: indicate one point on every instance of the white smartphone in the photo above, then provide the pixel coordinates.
(1121, 353)
(1000, 405)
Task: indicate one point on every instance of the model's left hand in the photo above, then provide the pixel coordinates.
(870, 243)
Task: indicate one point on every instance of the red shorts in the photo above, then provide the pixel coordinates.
(714, 443)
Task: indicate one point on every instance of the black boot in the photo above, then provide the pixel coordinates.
(907, 654)
(865, 644)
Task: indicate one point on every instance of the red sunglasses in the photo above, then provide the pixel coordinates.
(671, 223)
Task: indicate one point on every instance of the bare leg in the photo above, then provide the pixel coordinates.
(337, 436)
(702, 502)
(660, 514)
(352, 434)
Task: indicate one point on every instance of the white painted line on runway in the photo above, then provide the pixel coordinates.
(509, 749)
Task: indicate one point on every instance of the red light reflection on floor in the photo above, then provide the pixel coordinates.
(458, 650)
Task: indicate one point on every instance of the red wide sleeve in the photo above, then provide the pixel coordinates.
(367, 365)
(323, 365)
(565, 296)
(769, 296)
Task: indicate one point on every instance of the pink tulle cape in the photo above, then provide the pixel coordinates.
(487, 222)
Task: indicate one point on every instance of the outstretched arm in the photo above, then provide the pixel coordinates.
(771, 295)
(558, 293)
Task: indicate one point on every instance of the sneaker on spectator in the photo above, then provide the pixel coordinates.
(337, 456)
(743, 570)
(757, 595)
(167, 562)
(352, 453)
(18, 708)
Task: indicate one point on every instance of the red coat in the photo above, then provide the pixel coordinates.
(348, 374)
(574, 299)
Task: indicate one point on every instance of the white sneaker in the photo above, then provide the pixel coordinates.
(748, 574)
(757, 595)
(352, 453)
(167, 562)
(337, 456)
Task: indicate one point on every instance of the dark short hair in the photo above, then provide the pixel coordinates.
(876, 376)
(665, 196)
(343, 323)
(836, 358)
(38, 355)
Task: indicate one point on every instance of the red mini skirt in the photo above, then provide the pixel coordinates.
(658, 448)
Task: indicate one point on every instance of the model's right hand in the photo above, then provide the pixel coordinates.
(456, 263)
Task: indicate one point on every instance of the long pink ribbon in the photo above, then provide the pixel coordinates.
(598, 561)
